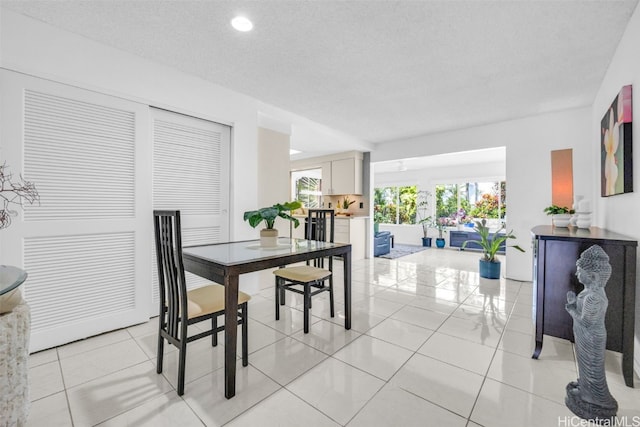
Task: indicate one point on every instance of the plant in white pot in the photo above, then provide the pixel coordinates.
(490, 244)
(560, 215)
(269, 235)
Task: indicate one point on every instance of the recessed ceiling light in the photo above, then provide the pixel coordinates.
(241, 23)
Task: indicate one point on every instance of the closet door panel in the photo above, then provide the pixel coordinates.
(85, 245)
(191, 173)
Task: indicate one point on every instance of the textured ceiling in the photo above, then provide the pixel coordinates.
(377, 70)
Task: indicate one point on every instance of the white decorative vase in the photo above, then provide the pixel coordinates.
(584, 219)
(268, 237)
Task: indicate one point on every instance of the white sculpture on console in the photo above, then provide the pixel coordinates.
(583, 213)
(574, 217)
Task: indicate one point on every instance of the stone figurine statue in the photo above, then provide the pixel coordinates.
(589, 396)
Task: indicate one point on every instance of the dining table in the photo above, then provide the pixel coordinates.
(223, 263)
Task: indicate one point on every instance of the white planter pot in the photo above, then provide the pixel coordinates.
(268, 237)
(561, 220)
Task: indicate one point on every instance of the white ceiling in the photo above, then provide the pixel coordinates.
(494, 156)
(376, 70)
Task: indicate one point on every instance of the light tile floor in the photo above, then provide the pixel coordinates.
(431, 344)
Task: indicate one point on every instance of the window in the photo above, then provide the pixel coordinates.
(395, 205)
(306, 187)
(463, 203)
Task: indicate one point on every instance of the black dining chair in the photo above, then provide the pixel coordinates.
(310, 279)
(180, 308)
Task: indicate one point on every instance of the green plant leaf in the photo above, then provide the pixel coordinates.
(490, 242)
(285, 215)
(269, 214)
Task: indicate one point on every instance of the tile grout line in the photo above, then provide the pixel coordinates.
(495, 351)
(415, 352)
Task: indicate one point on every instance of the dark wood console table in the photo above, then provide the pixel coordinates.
(555, 253)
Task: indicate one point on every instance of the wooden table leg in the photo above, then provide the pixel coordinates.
(538, 349)
(346, 261)
(230, 334)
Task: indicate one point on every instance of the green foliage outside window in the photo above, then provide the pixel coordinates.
(446, 200)
(395, 205)
(308, 191)
(451, 199)
(457, 202)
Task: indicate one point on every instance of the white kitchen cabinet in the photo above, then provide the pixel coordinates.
(347, 230)
(326, 183)
(343, 176)
(352, 230)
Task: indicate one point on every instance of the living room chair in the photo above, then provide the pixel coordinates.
(180, 308)
(309, 280)
(381, 243)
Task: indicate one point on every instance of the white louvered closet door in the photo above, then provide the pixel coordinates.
(191, 174)
(85, 247)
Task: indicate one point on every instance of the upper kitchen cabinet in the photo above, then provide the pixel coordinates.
(341, 173)
(342, 176)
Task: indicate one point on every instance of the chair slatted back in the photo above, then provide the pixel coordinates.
(171, 278)
(321, 227)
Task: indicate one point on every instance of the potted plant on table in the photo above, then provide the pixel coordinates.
(560, 215)
(490, 244)
(269, 235)
(343, 205)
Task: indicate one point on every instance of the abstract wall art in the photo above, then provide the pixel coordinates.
(616, 173)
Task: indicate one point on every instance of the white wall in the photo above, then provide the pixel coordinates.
(528, 143)
(273, 167)
(273, 172)
(620, 213)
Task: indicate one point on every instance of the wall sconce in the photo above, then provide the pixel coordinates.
(562, 178)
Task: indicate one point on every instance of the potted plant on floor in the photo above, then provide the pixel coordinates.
(269, 235)
(422, 215)
(441, 225)
(426, 224)
(560, 215)
(490, 244)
